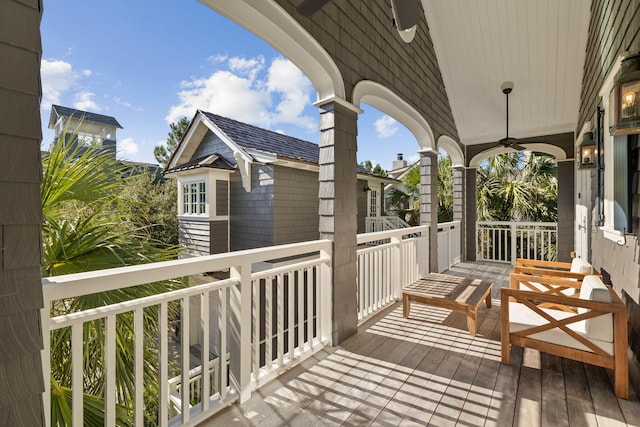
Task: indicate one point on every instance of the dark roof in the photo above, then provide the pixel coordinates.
(86, 115)
(214, 161)
(253, 137)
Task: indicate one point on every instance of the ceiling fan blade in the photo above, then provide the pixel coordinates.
(517, 147)
(309, 7)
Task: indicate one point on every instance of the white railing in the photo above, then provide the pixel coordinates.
(449, 250)
(398, 258)
(373, 224)
(251, 324)
(505, 241)
(195, 386)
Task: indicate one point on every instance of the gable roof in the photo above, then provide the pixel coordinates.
(214, 161)
(254, 138)
(60, 111)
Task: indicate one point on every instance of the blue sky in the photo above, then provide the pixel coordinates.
(147, 63)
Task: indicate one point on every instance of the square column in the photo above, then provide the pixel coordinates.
(471, 213)
(566, 209)
(458, 204)
(339, 210)
(429, 202)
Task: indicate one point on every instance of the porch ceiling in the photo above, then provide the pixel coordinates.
(537, 44)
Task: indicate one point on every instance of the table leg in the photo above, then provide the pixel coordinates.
(405, 306)
(472, 316)
(488, 299)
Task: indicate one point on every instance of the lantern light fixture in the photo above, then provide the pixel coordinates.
(587, 151)
(625, 98)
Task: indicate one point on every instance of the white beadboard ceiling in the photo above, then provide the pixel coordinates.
(539, 45)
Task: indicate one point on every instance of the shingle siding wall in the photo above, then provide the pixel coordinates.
(252, 213)
(295, 206)
(218, 237)
(211, 144)
(566, 210)
(367, 47)
(363, 196)
(20, 215)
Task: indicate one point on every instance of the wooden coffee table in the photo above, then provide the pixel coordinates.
(450, 292)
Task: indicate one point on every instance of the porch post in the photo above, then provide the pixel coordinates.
(21, 299)
(338, 211)
(470, 214)
(566, 209)
(429, 202)
(458, 204)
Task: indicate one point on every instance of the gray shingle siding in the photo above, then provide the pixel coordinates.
(212, 144)
(295, 206)
(362, 204)
(252, 213)
(222, 198)
(218, 237)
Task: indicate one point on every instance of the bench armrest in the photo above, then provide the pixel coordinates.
(557, 265)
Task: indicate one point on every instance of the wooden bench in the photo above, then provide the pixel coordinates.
(590, 326)
(451, 292)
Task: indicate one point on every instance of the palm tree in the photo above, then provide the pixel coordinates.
(81, 232)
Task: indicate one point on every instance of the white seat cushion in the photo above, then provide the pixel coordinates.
(578, 265)
(521, 317)
(600, 327)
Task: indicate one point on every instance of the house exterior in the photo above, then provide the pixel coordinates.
(442, 91)
(243, 187)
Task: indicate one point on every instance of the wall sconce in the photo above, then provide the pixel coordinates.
(625, 98)
(366, 188)
(587, 151)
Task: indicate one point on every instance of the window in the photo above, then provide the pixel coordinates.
(373, 203)
(194, 198)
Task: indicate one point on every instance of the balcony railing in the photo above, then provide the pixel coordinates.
(387, 261)
(373, 224)
(505, 241)
(266, 321)
(449, 245)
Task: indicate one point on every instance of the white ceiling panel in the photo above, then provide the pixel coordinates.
(539, 45)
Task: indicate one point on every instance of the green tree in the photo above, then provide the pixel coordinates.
(376, 170)
(151, 206)
(81, 232)
(520, 186)
(162, 152)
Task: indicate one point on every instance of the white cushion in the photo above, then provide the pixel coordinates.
(578, 265)
(521, 317)
(600, 327)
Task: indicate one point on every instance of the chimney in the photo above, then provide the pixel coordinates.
(399, 162)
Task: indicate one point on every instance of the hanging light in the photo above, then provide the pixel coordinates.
(625, 98)
(587, 151)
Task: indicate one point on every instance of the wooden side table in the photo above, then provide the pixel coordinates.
(451, 292)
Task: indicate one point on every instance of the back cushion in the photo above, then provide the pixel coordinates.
(601, 327)
(579, 265)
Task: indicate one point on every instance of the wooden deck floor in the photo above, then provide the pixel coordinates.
(427, 370)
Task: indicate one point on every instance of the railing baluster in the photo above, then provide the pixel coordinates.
(77, 359)
(280, 320)
(110, 370)
(138, 333)
(255, 287)
(290, 317)
(205, 389)
(184, 357)
(309, 280)
(268, 327)
(300, 311)
(163, 374)
(222, 358)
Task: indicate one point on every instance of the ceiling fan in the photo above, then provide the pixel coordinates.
(507, 142)
(406, 13)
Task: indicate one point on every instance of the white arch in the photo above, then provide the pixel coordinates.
(555, 151)
(385, 100)
(449, 144)
(270, 22)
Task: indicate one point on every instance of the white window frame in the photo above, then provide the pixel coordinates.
(196, 198)
(373, 203)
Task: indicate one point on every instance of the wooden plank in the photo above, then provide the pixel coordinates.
(554, 402)
(529, 398)
(579, 405)
(605, 403)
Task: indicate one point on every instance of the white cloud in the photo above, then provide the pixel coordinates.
(127, 146)
(86, 72)
(386, 127)
(57, 78)
(84, 101)
(247, 92)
